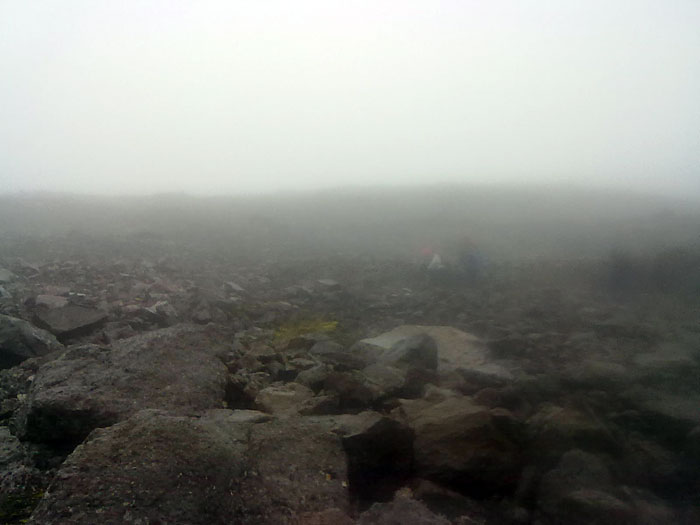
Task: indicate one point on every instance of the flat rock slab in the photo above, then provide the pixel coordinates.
(89, 386)
(69, 321)
(223, 467)
(456, 349)
(20, 340)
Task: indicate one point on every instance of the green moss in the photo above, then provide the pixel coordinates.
(16, 508)
(299, 327)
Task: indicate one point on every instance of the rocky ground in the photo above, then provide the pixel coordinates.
(149, 384)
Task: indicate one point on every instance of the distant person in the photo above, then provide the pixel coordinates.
(436, 263)
(470, 261)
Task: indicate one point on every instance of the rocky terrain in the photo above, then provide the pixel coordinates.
(145, 382)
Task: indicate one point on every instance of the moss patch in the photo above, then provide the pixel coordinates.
(299, 327)
(16, 508)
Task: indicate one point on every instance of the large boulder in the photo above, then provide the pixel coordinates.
(89, 386)
(459, 443)
(379, 453)
(223, 467)
(6, 276)
(456, 350)
(69, 321)
(415, 351)
(20, 340)
(554, 429)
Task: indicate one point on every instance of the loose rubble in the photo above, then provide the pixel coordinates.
(136, 390)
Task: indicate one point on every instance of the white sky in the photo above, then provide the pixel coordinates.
(239, 96)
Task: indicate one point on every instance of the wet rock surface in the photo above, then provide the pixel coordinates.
(340, 391)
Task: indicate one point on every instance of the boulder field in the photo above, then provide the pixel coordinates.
(176, 404)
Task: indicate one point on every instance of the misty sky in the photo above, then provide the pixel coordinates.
(244, 96)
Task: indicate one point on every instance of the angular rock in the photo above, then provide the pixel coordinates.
(458, 443)
(595, 373)
(223, 467)
(668, 416)
(576, 470)
(314, 377)
(455, 349)
(69, 321)
(336, 356)
(51, 301)
(379, 453)
(6, 276)
(384, 381)
(586, 506)
(415, 351)
(89, 386)
(297, 466)
(403, 509)
(554, 429)
(283, 400)
(352, 390)
(20, 340)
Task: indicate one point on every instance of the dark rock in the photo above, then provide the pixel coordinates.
(590, 506)
(352, 390)
(223, 467)
(69, 321)
(554, 429)
(646, 463)
(332, 516)
(594, 373)
(380, 455)
(508, 347)
(669, 417)
(20, 340)
(447, 502)
(89, 386)
(50, 301)
(576, 470)
(320, 405)
(336, 356)
(314, 377)
(384, 381)
(458, 443)
(297, 466)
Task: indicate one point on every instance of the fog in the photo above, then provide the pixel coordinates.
(254, 97)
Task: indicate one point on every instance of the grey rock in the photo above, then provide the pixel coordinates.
(314, 377)
(402, 509)
(576, 470)
(6, 276)
(20, 340)
(51, 301)
(283, 400)
(554, 429)
(69, 321)
(415, 351)
(379, 453)
(89, 386)
(458, 443)
(223, 467)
